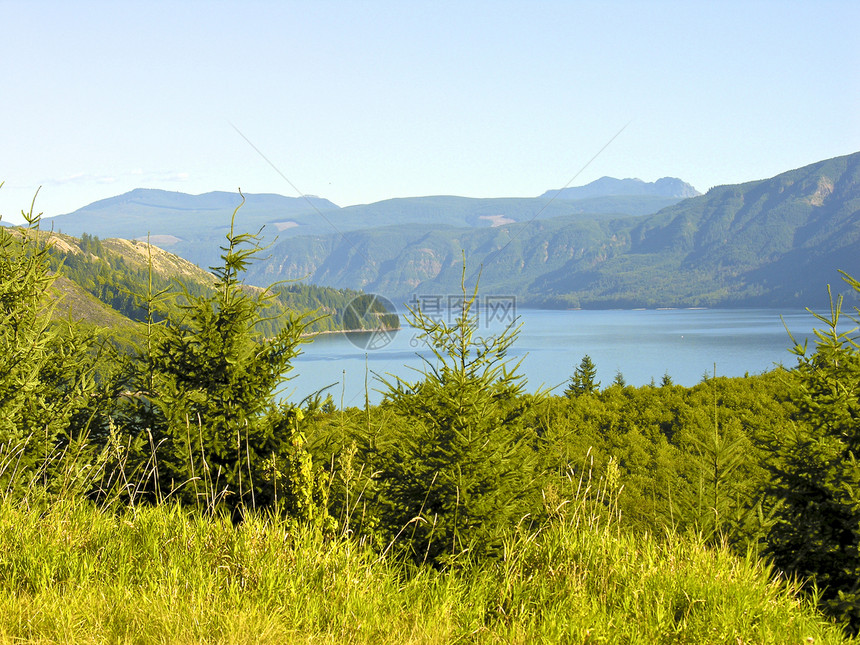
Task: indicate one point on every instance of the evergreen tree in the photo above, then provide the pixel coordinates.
(208, 405)
(460, 469)
(583, 380)
(47, 384)
(816, 478)
(716, 502)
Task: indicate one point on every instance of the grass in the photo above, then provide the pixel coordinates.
(74, 573)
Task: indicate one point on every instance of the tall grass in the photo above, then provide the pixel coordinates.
(74, 572)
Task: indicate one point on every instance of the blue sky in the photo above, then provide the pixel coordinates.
(363, 101)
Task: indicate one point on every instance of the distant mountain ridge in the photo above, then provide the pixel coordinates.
(609, 186)
(193, 226)
(215, 200)
(135, 213)
(773, 242)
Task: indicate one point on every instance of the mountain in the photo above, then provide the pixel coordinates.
(608, 186)
(193, 226)
(160, 212)
(105, 283)
(773, 242)
(766, 242)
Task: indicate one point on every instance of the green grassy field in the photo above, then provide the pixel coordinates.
(74, 573)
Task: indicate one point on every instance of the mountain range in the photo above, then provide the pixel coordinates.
(773, 242)
(612, 243)
(193, 226)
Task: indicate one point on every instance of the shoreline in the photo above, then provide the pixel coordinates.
(347, 331)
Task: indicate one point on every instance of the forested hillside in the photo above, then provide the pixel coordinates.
(765, 243)
(119, 284)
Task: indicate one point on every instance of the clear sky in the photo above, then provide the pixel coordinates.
(362, 101)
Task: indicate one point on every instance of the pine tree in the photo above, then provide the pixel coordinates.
(816, 476)
(461, 469)
(208, 408)
(583, 379)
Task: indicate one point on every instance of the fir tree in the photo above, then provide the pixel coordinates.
(583, 380)
(816, 478)
(461, 468)
(208, 405)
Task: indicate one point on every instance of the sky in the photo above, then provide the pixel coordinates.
(363, 101)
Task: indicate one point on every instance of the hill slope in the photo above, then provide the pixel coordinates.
(193, 226)
(104, 283)
(765, 243)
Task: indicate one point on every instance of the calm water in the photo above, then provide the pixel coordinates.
(643, 345)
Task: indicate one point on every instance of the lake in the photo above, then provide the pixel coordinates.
(641, 344)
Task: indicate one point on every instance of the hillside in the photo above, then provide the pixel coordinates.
(771, 242)
(193, 226)
(762, 243)
(104, 283)
(74, 302)
(398, 261)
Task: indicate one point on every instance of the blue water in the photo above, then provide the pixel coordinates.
(641, 344)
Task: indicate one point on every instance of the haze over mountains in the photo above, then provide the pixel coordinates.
(773, 242)
(606, 186)
(193, 226)
(612, 243)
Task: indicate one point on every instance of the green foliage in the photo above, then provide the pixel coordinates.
(108, 277)
(207, 400)
(459, 468)
(367, 311)
(816, 476)
(583, 380)
(48, 390)
(720, 504)
(663, 442)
